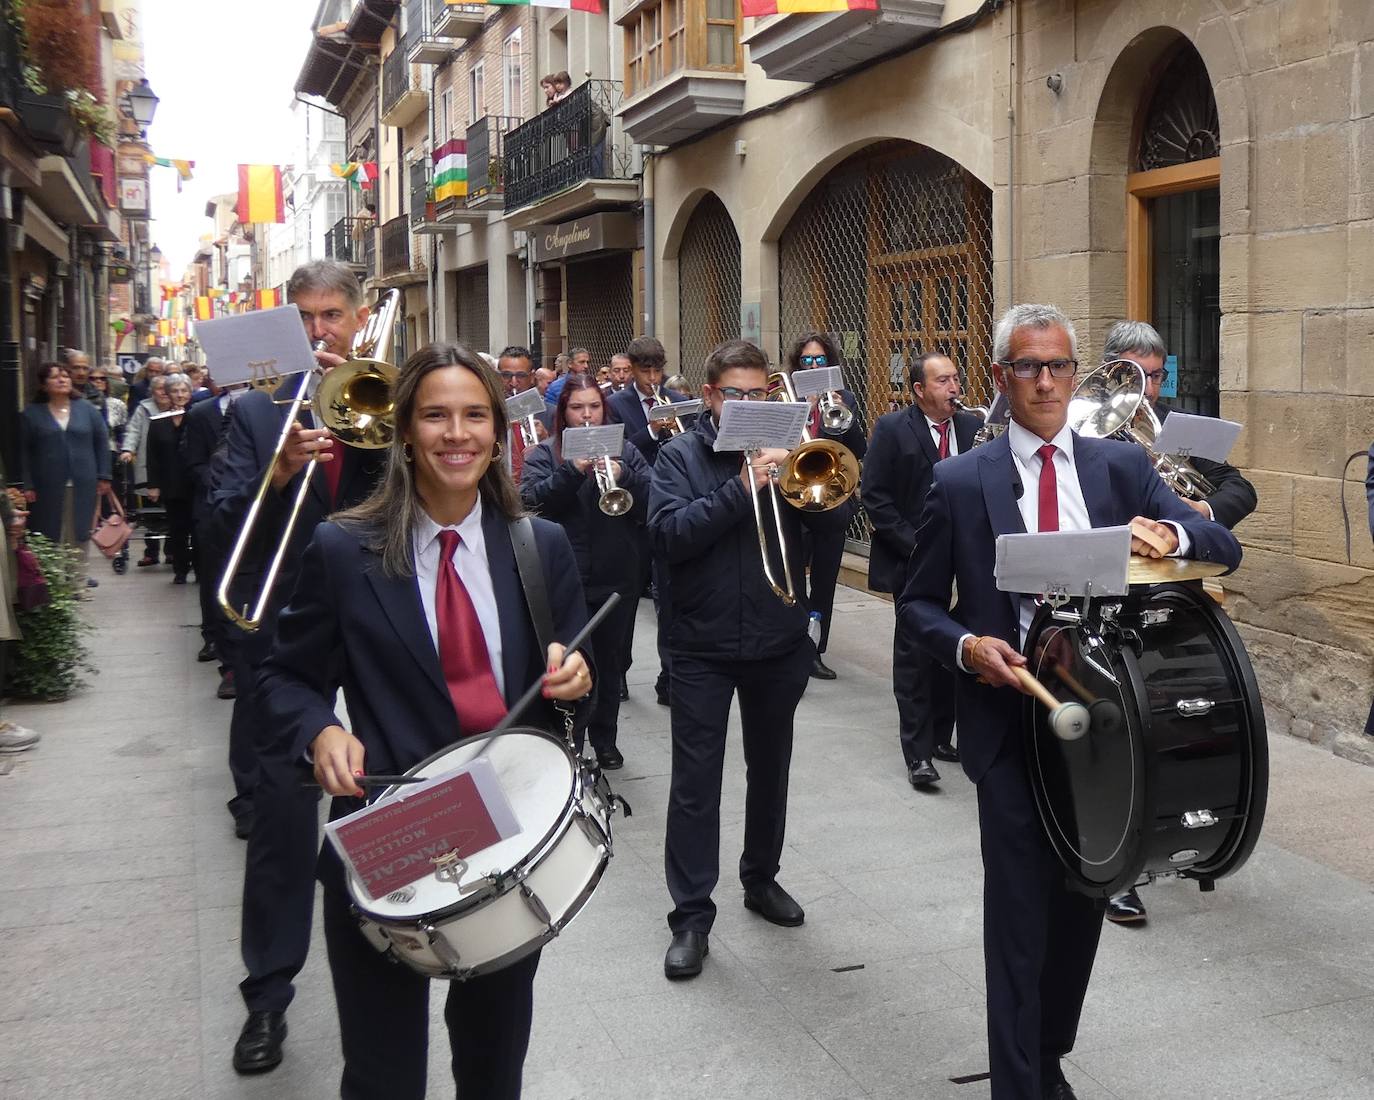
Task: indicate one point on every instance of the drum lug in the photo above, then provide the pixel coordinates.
(1156, 616)
(453, 963)
(591, 829)
(1194, 708)
(1199, 819)
(537, 906)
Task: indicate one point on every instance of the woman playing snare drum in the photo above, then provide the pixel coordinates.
(389, 594)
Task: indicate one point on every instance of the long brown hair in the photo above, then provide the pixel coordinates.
(386, 520)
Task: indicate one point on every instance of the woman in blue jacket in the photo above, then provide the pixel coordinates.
(66, 462)
(609, 549)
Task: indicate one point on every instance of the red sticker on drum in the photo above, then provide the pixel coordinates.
(425, 829)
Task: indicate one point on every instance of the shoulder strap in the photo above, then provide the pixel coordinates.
(532, 580)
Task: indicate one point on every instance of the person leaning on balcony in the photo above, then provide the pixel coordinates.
(556, 86)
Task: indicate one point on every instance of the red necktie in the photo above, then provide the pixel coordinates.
(814, 426)
(1049, 490)
(333, 474)
(463, 648)
(943, 429)
(517, 454)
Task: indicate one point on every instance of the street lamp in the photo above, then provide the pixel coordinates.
(140, 104)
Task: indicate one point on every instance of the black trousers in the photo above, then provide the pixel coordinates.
(827, 551)
(608, 646)
(384, 1020)
(278, 874)
(235, 651)
(924, 689)
(208, 568)
(769, 692)
(1039, 938)
(179, 534)
(663, 608)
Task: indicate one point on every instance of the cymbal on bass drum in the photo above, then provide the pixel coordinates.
(1165, 570)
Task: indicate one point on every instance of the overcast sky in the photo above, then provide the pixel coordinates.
(224, 74)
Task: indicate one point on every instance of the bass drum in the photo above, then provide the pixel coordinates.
(1173, 774)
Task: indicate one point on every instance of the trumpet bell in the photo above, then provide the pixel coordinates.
(818, 475)
(616, 502)
(836, 417)
(355, 401)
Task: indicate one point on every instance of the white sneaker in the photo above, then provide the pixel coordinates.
(17, 738)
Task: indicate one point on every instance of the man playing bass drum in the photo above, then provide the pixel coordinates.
(1039, 938)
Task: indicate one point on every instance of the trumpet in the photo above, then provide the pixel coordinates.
(614, 500)
(836, 416)
(816, 476)
(672, 425)
(529, 432)
(354, 401)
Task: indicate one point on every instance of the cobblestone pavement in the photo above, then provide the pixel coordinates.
(122, 877)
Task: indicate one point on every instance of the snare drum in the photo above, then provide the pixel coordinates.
(1173, 775)
(467, 919)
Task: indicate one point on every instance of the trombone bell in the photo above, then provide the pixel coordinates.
(354, 401)
(818, 475)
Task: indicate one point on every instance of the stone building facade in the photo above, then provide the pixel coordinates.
(1207, 165)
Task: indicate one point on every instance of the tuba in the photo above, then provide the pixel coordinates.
(355, 402)
(1110, 402)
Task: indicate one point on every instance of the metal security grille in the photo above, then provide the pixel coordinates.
(709, 296)
(473, 326)
(600, 305)
(892, 252)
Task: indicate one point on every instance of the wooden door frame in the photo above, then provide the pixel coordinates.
(1140, 188)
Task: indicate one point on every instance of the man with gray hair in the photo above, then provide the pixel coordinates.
(1039, 938)
(1232, 497)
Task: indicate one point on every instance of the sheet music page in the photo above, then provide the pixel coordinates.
(528, 402)
(819, 380)
(675, 408)
(261, 345)
(1197, 436)
(593, 442)
(755, 425)
(1065, 561)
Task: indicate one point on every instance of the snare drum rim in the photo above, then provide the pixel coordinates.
(509, 878)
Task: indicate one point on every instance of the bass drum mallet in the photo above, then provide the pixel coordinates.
(1070, 721)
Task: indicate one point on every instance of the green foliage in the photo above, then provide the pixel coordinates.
(51, 657)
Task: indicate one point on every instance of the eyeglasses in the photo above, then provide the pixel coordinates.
(734, 393)
(815, 360)
(1156, 375)
(1031, 368)
(514, 375)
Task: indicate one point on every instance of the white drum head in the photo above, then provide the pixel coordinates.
(537, 774)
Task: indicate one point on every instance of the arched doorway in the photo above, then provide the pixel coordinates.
(709, 286)
(1173, 226)
(892, 252)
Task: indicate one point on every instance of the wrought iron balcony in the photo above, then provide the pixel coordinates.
(347, 239)
(396, 246)
(486, 142)
(461, 21)
(421, 172)
(403, 96)
(571, 142)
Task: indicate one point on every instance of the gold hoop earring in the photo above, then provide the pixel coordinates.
(496, 450)
(407, 452)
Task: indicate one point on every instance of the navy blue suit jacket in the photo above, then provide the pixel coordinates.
(896, 478)
(628, 406)
(971, 502)
(201, 435)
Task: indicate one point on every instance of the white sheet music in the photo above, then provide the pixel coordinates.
(1065, 561)
(754, 425)
(258, 346)
(675, 408)
(593, 442)
(528, 402)
(818, 380)
(1197, 436)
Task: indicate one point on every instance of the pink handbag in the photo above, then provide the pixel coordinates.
(111, 533)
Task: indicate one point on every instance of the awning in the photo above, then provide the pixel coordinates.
(45, 232)
(369, 19)
(331, 67)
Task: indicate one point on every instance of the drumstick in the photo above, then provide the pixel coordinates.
(1106, 715)
(1147, 536)
(1068, 720)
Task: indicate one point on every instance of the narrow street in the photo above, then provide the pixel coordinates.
(122, 875)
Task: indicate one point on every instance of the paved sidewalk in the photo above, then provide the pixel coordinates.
(120, 951)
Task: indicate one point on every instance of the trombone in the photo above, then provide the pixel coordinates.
(671, 424)
(354, 401)
(817, 475)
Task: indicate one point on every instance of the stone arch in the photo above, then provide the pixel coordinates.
(672, 240)
(709, 283)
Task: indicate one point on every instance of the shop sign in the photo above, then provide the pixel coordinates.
(132, 164)
(594, 233)
(133, 196)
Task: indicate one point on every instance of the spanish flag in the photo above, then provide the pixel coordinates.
(205, 308)
(164, 328)
(451, 170)
(759, 8)
(260, 198)
(267, 299)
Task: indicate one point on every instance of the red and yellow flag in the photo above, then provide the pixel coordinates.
(260, 198)
(758, 8)
(205, 308)
(164, 328)
(267, 299)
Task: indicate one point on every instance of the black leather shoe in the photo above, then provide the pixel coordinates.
(948, 753)
(1058, 1090)
(226, 689)
(922, 773)
(821, 671)
(685, 953)
(774, 904)
(259, 1047)
(610, 759)
(206, 653)
(1126, 908)
(624, 690)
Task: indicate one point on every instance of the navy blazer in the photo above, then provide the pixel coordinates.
(609, 549)
(201, 435)
(628, 407)
(51, 456)
(971, 502)
(896, 478)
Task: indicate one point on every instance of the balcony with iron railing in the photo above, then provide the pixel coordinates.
(404, 97)
(575, 148)
(346, 240)
(450, 26)
(396, 247)
(486, 171)
(421, 195)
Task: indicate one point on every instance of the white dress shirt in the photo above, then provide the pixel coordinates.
(935, 435)
(470, 559)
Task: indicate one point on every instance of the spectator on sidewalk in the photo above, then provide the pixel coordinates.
(133, 455)
(168, 482)
(66, 455)
(13, 738)
(141, 390)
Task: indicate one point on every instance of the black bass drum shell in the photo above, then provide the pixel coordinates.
(1181, 730)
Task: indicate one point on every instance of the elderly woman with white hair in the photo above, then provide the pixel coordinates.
(168, 481)
(134, 448)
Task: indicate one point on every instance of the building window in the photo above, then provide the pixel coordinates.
(443, 122)
(512, 77)
(477, 92)
(657, 43)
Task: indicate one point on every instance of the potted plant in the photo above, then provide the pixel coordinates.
(61, 98)
(51, 657)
